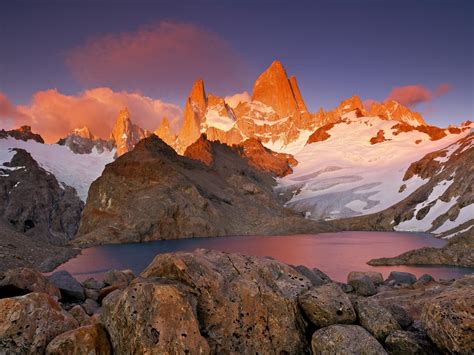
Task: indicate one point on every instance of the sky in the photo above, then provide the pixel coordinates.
(64, 63)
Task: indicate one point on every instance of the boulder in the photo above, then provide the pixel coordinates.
(363, 285)
(92, 293)
(345, 339)
(326, 305)
(93, 284)
(245, 304)
(71, 289)
(401, 342)
(346, 287)
(17, 282)
(375, 276)
(80, 315)
(152, 318)
(400, 314)
(449, 320)
(322, 275)
(375, 318)
(90, 339)
(90, 306)
(28, 323)
(315, 279)
(401, 278)
(118, 277)
(424, 279)
(108, 290)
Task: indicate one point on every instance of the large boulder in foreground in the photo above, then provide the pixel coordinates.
(345, 339)
(90, 339)
(245, 304)
(449, 320)
(28, 323)
(20, 281)
(326, 305)
(154, 319)
(375, 318)
(153, 193)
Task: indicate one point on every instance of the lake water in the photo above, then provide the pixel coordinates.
(334, 253)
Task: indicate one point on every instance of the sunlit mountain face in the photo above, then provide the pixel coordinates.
(277, 177)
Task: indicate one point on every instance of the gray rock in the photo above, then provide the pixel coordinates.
(400, 278)
(375, 276)
(71, 289)
(90, 306)
(92, 294)
(375, 318)
(316, 280)
(118, 277)
(363, 285)
(424, 279)
(345, 339)
(326, 305)
(402, 342)
(17, 282)
(80, 315)
(401, 315)
(345, 287)
(321, 274)
(93, 284)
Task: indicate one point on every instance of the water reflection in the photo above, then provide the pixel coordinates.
(334, 253)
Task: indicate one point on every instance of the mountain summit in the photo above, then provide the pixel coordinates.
(125, 134)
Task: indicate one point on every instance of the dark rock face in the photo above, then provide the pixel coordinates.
(152, 193)
(70, 288)
(449, 320)
(345, 339)
(402, 342)
(85, 145)
(32, 201)
(16, 282)
(23, 133)
(28, 323)
(400, 278)
(245, 304)
(316, 277)
(326, 305)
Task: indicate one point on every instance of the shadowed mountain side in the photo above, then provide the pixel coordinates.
(152, 193)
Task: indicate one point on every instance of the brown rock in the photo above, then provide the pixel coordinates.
(90, 339)
(28, 323)
(379, 138)
(376, 277)
(80, 315)
(118, 277)
(321, 134)
(17, 282)
(23, 133)
(126, 134)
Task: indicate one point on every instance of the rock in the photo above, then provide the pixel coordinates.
(245, 304)
(17, 282)
(90, 339)
(401, 315)
(363, 285)
(125, 133)
(375, 318)
(326, 305)
(92, 294)
(315, 279)
(375, 276)
(82, 141)
(449, 320)
(392, 110)
(322, 275)
(23, 133)
(400, 278)
(80, 315)
(108, 290)
(71, 289)
(345, 339)
(28, 323)
(346, 288)
(152, 318)
(93, 284)
(165, 133)
(424, 279)
(90, 306)
(402, 342)
(118, 278)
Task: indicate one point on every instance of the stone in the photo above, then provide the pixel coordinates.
(28, 323)
(322, 275)
(245, 304)
(424, 279)
(20, 281)
(93, 284)
(326, 305)
(89, 339)
(401, 342)
(108, 290)
(118, 278)
(71, 289)
(400, 278)
(92, 294)
(125, 133)
(363, 285)
(375, 276)
(345, 339)
(400, 314)
(346, 288)
(315, 279)
(152, 318)
(375, 318)
(449, 320)
(90, 306)
(80, 315)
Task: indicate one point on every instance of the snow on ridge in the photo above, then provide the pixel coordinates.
(76, 170)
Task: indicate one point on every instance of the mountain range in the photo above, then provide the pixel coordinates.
(352, 167)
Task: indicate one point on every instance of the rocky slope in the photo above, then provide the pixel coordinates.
(23, 133)
(442, 203)
(211, 302)
(82, 141)
(153, 193)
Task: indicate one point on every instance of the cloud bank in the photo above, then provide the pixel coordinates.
(412, 95)
(162, 59)
(54, 115)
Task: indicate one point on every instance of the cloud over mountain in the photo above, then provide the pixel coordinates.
(54, 114)
(411, 95)
(160, 59)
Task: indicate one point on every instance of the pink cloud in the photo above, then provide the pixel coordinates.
(163, 58)
(412, 95)
(54, 115)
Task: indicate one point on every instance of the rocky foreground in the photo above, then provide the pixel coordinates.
(212, 302)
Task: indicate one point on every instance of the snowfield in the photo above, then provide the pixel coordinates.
(76, 170)
(347, 176)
